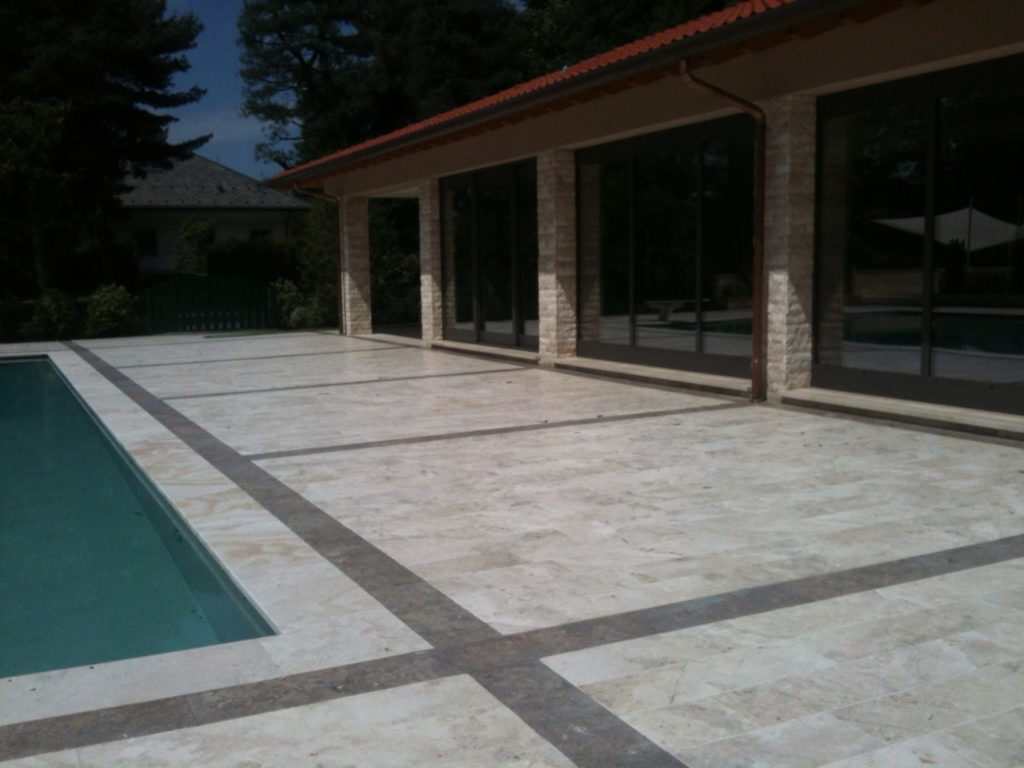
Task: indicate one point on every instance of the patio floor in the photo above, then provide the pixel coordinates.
(474, 562)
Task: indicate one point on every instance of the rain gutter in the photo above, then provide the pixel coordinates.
(759, 322)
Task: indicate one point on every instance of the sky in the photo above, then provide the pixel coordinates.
(215, 67)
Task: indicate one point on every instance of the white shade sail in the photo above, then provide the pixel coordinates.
(976, 229)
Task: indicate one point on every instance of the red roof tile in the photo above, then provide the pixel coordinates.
(700, 25)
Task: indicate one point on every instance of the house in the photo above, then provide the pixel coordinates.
(798, 195)
(239, 207)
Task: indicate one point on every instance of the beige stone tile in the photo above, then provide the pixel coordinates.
(685, 726)
(804, 743)
(924, 752)
(994, 742)
(451, 722)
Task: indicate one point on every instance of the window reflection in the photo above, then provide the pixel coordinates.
(920, 262)
(489, 245)
(872, 268)
(665, 247)
(978, 323)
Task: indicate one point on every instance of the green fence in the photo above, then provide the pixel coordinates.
(209, 303)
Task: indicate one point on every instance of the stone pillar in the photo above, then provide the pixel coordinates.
(430, 261)
(556, 258)
(789, 240)
(355, 266)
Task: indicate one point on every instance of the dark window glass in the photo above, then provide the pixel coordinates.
(146, 243)
(978, 318)
(665, 242)
(526, 246)
(665, 295)
(872, 258)
(458, 256)
(495, 220)
(604, 200)
(490, 255)
(920, 254)
(726, 234)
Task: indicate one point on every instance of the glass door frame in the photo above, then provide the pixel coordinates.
(479, 334)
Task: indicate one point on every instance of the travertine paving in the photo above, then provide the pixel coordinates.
(475, 562)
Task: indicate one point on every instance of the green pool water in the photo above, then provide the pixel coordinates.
(94, 564)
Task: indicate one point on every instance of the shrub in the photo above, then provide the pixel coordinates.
(195, 239)
(299, 310)
(289, 299)
(110, 311)
(55, 316)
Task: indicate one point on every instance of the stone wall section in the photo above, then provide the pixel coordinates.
(789, 240)
(355, 267)
(431, 298)
(556, 242)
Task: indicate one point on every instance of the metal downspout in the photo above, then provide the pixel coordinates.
(758, 377)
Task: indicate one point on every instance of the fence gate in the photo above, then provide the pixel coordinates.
(209, 303)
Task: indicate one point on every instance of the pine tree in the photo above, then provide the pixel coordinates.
(87, 85)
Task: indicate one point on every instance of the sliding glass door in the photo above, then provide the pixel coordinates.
(920, 261)
(665, 247)
(489, 239)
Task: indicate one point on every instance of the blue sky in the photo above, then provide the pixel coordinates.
(215, 67)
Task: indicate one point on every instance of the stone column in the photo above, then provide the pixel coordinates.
(430, 260)
(789, 240)
(355, 266)
(556, 258)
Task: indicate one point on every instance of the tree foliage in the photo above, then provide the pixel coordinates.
(84, 89)
(325, 74)
(562, 32)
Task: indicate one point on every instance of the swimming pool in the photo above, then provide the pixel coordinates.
(95, 565)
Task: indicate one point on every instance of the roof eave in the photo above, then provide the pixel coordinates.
(796, 12)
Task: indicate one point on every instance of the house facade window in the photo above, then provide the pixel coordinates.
(920, 238)
(146, 244)
(489, 250)
(665, 226)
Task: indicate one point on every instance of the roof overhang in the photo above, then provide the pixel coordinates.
(795, 20)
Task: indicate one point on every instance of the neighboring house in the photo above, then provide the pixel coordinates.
(615, 211)
(239, 207)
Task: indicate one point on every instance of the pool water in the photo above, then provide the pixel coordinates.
(95, 565)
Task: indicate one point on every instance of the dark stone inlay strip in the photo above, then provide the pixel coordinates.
(507, 666)
(246, 359)
(527, 646)
(583, 730)
(331, 384)
(418, 604)
(428, 611)
(161, 715)
(491, 431)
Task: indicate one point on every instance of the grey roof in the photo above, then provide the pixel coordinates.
(201, 183)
